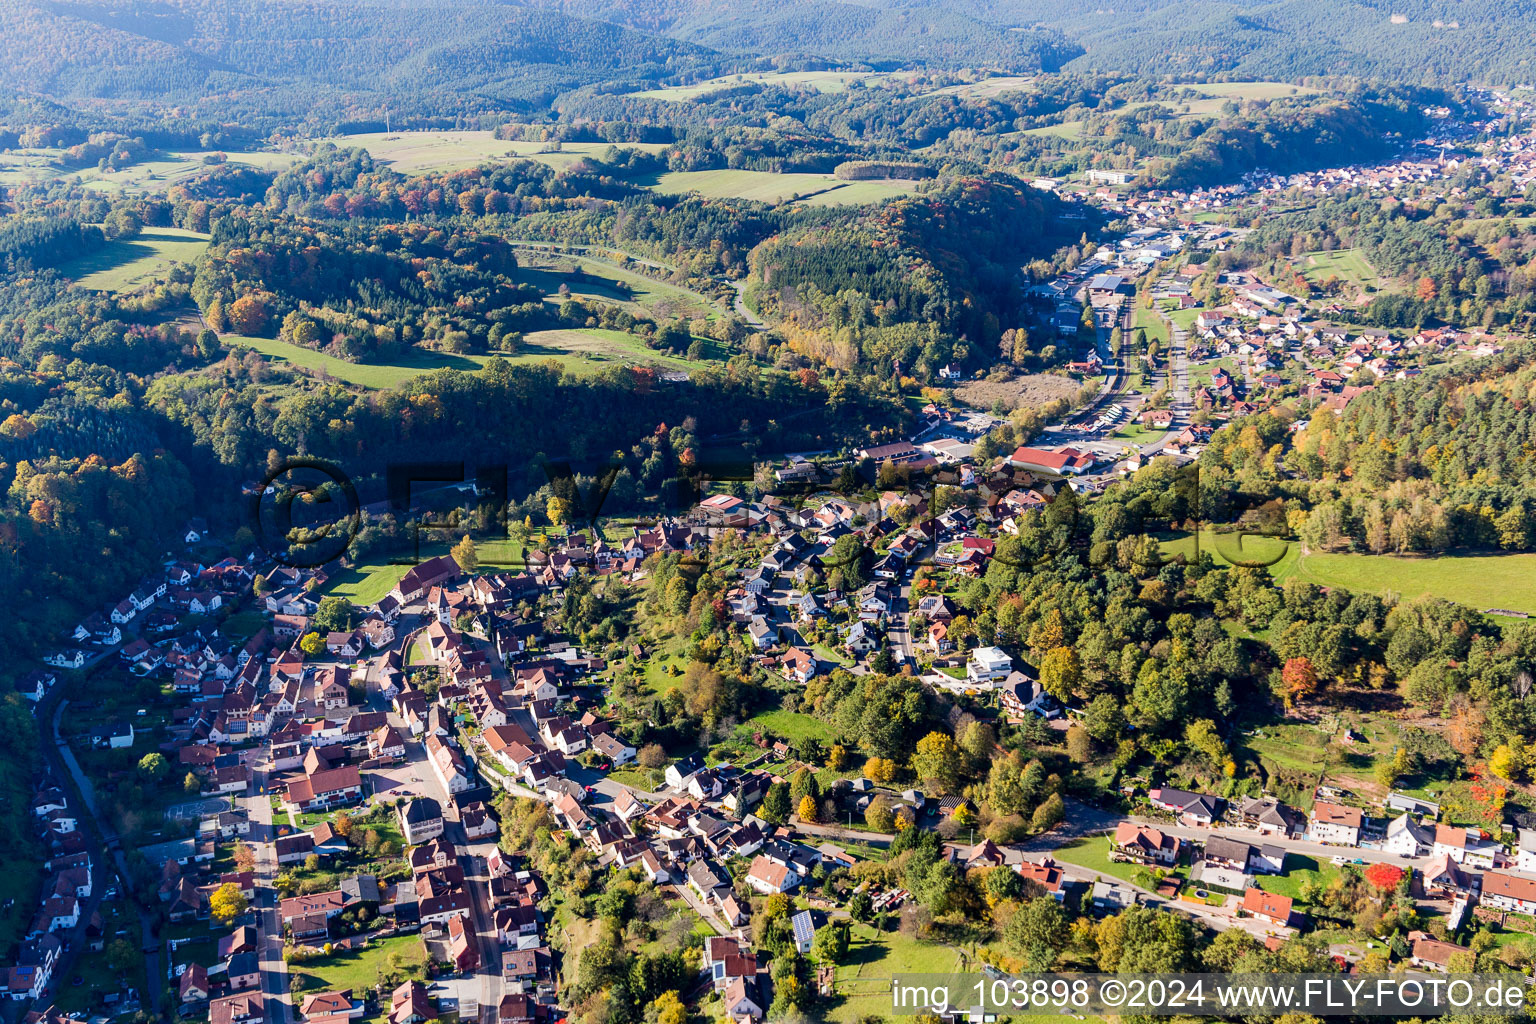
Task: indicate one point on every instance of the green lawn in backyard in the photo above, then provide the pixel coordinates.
(792, 725)
(1093, 853)
(130, 263)
(1185, 318)
(1348, 265)
(1299, 869)
(95, 971)
(864, 976)
(359, 969)
(368, 582)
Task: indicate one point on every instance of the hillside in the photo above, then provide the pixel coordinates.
(441, 56)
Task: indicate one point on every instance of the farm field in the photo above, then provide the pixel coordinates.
(1348, 265)
(126, 264)
(860, 193)
(1072, 130)
(765, 187)
(821, 81)
(419, 152)
(27, 166)
(1251, 90)
(1030, 389)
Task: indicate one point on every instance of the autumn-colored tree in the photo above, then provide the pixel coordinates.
(245, 857)
(837, 757)
(1426, 290)
(807, 809)
(342, 824)
(465, 554)
(312, 644)
(247, 315)
(1299, 678)
(1079, 744)
(881, 770)
(17, 427)
(670, 1009)
(558, 510)
(1508, 760)
(652, 755)
(227, 903)
(1384, 877)
(1049, 633)
(216, 316)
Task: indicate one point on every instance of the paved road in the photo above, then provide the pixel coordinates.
(100, 838)
(269, 928)
(740, 306)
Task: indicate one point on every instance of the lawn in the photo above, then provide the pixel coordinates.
(95, 970)
(359, 969)
(1251, 90)
(1093, 854)
(24, 166)
(368, 582)
(420, 152)
(1299, 869)
(127, 264)
(1276, 554)
(874, 958)
(1155, 326)
(766, 187)
(1348, 265)
(792, 725)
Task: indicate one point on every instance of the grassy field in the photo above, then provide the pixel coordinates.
(821, 81)
(1345, 264)
(1071, 130)
(127, 264)
(586, 349)
(1093, 854)
(1155, 326)
(576, 351)
(1251, 90)
(598, 280)
(766, 187)
(1478, 581)
(368, 375)
(420, 152)
(359, 969)
(29, 166)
